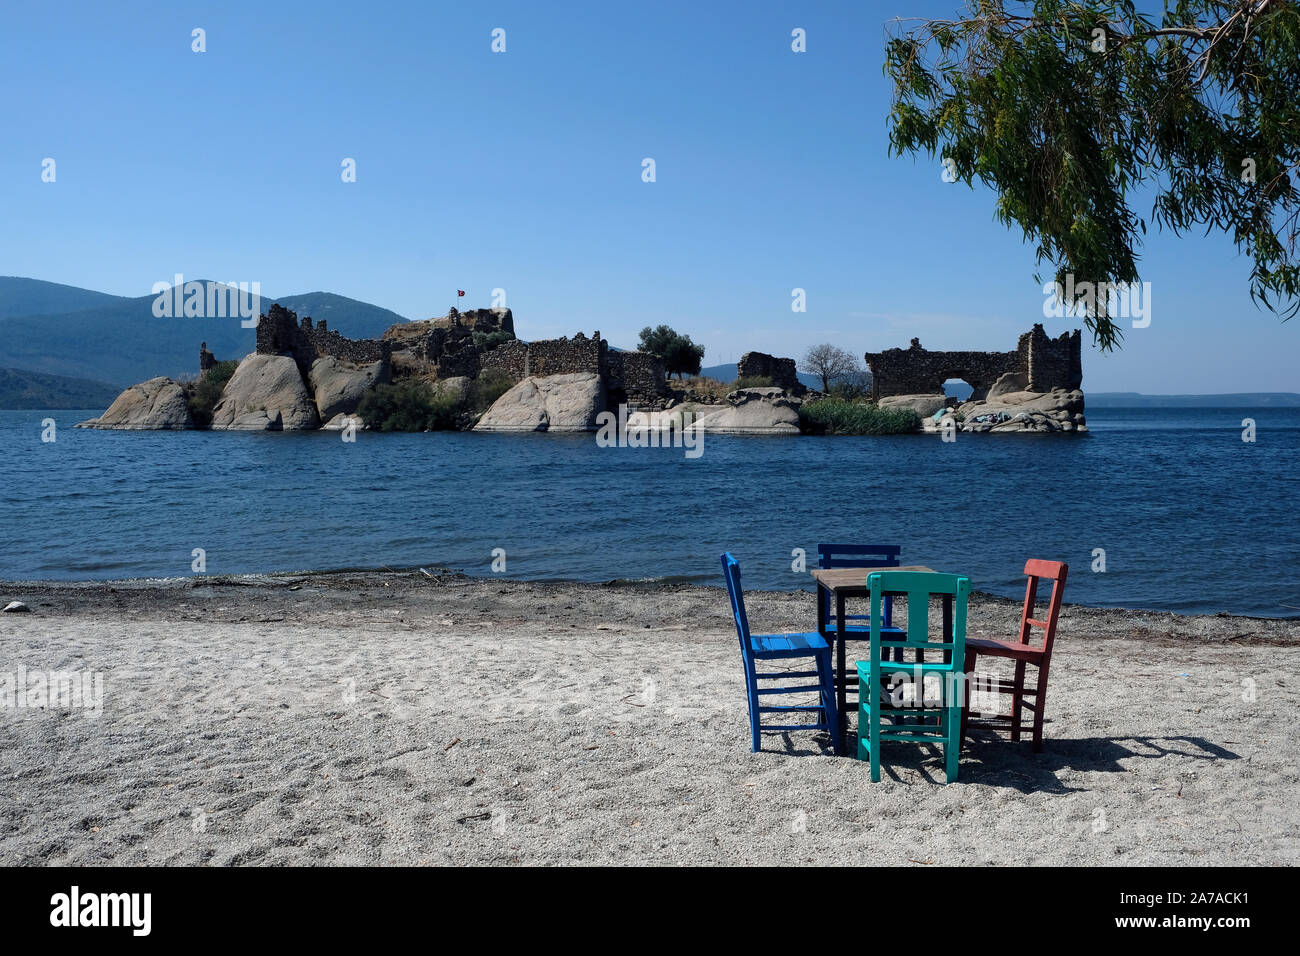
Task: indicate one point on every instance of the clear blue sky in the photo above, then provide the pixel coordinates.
(522, 170)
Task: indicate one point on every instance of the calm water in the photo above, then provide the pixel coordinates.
(1191, 518)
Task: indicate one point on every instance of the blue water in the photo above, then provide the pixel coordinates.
(1191, 518)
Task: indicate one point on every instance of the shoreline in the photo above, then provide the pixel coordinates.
(415, 578)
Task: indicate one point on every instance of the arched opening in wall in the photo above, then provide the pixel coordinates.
(958, 388)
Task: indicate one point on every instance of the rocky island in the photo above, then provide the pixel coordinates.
(468, 370)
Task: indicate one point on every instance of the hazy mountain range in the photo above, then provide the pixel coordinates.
(21, 389)
(62, 330)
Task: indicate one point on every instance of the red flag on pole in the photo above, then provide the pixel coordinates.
(460, 291)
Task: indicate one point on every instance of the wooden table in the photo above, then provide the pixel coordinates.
(844, 583)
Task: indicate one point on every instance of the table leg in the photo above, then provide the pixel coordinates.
(823, 600)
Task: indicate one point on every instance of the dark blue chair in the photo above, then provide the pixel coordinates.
(771, 647)
(862, 556)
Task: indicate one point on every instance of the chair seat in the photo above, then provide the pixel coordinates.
(787, 645)
(991, 648)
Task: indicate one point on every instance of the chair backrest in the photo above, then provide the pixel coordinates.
(858, 555)
(731, 571)
(918, 587)
(1037, 570)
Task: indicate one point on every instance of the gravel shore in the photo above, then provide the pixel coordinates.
(402, 718)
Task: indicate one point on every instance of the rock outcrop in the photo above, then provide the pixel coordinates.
(1006, 384)
(266, 393)
(557, 403)
(342, 420)
(923, 405)
(339, 385)
(456, 387)
(1060, 410)
(754, 411)
(156, 404)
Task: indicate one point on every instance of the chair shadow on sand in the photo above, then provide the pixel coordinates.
(995, 761)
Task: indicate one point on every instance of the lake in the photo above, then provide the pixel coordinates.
(1187, 516)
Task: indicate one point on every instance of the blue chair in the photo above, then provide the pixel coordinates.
(772, 647)
(881, 703)
(861, 556)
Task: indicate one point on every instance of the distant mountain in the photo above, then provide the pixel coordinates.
(119, 340)
(1227, 400)
(19, 296)
(728, 373)
(20, 389)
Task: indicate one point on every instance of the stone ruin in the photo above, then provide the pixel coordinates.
(782, 371)
(206, 359)
(446, 346)
(1042, 362)
(478, 320)
(280, 333)
(631, 378)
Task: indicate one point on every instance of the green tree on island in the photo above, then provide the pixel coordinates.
(1067, 108)
(679, 353)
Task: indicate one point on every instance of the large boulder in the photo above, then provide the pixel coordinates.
(754, 411)
(339, 385)
(1007, 383)
(557, 403)
(923, 405)
(457, 387)
(1060, 410)
(156, 404)
(266, 393)
(342, 421)
(1058, 399)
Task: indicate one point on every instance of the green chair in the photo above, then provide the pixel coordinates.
(920, 720)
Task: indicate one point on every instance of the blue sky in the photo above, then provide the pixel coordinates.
(522, 170)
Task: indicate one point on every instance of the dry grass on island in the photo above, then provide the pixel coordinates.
(398, 719)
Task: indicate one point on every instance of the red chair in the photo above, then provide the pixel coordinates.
(1023, 653)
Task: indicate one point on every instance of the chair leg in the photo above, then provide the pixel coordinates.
(1040, 702)
(826, 673)
(971, 658)
(953, 712)
(751, 690)
(1016, 698)
(873, 731)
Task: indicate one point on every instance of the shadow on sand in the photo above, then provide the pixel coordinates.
(995, 761)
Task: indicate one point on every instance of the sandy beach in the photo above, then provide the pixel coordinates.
(397, 718)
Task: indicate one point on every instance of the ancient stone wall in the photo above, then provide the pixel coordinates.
(280, 333)
(635, 377)
(562, 356)
(638, 377)
(481, 320)
(510, 357)
(781, 371)
(1045, 363)
(1052, 363)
